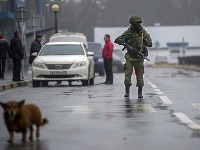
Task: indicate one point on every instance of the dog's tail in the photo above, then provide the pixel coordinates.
(44, 121)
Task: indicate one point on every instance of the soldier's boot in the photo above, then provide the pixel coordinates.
(140, 92)
(127, 91)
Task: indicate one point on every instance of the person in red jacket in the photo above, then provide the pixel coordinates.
(107, 55)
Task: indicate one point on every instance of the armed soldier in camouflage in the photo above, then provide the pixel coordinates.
(137, 38)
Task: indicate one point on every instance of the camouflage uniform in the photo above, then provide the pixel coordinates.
(134, 39)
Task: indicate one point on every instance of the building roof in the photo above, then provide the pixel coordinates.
(178, 44)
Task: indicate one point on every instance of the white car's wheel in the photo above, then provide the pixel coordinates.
(36, 83)
(92, 81)
(44, 83)
(85, 82)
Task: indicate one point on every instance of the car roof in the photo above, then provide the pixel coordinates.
(64, 43)
(69, 37)
(68, 34)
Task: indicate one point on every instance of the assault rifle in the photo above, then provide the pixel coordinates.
(134, 51)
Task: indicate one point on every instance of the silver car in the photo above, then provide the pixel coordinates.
(63, 61)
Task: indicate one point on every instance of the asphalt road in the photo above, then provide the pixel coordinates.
(99, 117)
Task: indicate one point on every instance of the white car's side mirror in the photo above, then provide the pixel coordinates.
(90, 54)
(34, 54)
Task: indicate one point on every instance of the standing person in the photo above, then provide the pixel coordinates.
(139, 39)
(107, 55)
(17, 55)
(35, 47)
(4, 52)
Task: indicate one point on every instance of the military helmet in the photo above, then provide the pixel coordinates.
(134, 19)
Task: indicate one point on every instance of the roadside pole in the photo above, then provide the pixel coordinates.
(22, 15)
(22, 39)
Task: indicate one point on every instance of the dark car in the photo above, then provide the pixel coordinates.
(161, 60)
(97, 50)
(118, 60)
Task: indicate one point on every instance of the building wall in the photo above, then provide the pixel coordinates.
(8, 24)
(193, 51)
(7, 21)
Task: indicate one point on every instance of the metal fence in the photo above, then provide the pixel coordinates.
(189, 60)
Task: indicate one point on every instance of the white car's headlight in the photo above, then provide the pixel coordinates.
(39, 65)
(80, 64)
(100, 60)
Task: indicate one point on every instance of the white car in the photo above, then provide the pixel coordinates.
(63, 61)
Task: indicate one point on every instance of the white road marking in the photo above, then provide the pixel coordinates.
(83, 109)
(144, 108)
(150, 83)
(165, 100)
(185, 120)
(154, 86)
(68, 106)
(158, 91)
(197, 105)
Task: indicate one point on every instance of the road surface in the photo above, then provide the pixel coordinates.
(99, 117)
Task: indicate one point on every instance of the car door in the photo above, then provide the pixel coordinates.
(91, 63)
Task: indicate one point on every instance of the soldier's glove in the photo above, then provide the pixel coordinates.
(117, 42)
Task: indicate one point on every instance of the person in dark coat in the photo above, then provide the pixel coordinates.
(35, 47)
(4, 52)
(17, 55)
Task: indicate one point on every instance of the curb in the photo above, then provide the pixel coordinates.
(184, 67)
(191, 68)
(6, 87)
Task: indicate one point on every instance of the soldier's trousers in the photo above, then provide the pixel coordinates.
(139, 71)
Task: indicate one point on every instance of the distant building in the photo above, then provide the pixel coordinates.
(169, 41)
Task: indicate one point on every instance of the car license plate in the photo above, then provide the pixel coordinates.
(58, 72)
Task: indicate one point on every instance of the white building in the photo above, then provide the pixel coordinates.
(169, 41)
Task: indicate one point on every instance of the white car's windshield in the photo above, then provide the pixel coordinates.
(62, 50)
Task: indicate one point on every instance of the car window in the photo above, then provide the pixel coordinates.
(62, 50)
(95, 48)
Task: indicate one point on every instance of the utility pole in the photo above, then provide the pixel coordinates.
(22, 15)
(34, 26)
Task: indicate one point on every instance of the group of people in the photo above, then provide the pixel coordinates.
(135, 37)
(15, 51)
